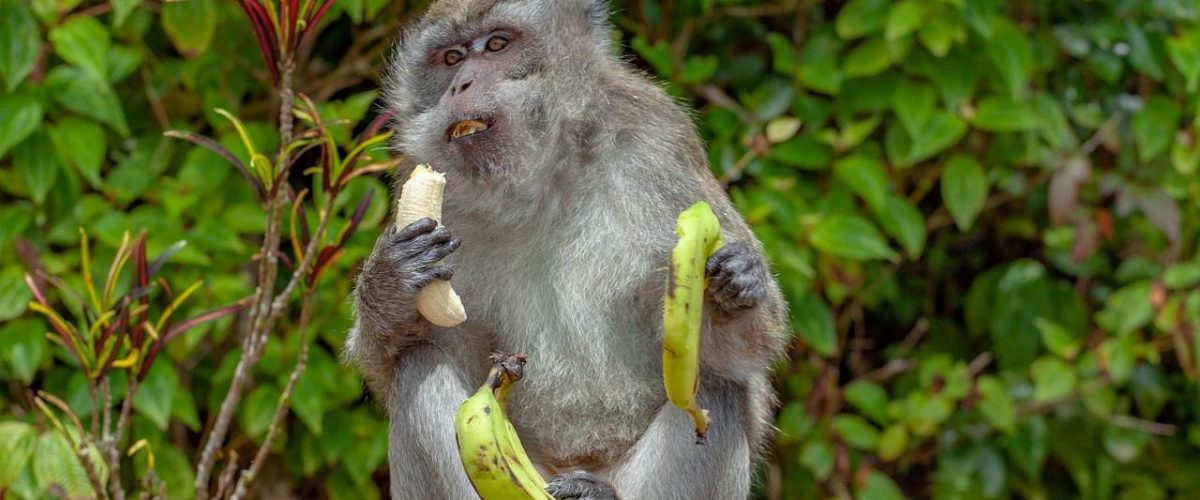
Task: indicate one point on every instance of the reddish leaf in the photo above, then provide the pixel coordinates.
(220, 150)
(265, 32)
(355, 219)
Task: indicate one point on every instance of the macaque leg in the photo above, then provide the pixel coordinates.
(427, 389)
(667, 463)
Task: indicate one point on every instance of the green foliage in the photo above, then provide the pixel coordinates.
(984, 216)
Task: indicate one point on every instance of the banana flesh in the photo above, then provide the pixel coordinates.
(488, 445)
(699, 237)
(421, 197)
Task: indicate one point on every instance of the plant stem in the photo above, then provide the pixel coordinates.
(282, 407)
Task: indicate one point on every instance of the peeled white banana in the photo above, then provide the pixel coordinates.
(488, 445)
(421, 197)
(699, 237)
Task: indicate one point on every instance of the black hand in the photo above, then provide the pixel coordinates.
(580, 485)
(412, 251)
(403, 262)
(737, 279)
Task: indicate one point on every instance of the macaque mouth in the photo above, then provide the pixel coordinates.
(468, 128)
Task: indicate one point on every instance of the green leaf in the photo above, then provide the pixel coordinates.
(22, 115)
(925, 413)
(88, 96)
(820, 75)
(813, 321)
(56, 465)
(38, 163)
(154, 395)
(122, 9)
(14, 295)
(698, 69)
(893, 442)
(1185, 54)
(851, 237)
(1119, 356)
(1053, 379)
(84, 144)
(190, 25)
(879, 486)
(904, 17)
(869, 398)
(866, 176)
(84, 42)
(1124, 444)
(24, 347)
(20, 42)
(940, 31)
(913, 104)
(1023, 293)
(964, 190)
(183, 410)
(856, 432)
(1054, 125)
(803, 151)
(904, 222)
(942, 130)
(995, 405)
(869, 58)
(1057, 339)
(1127, 310)
(308, 401)
(1141, 52)
(256, 412)
(817, 456)
(1182, 276)
(18, 440)
(995, 114)
(1010, 51)
(859, 18)
(782, 129)
(783, 54)
(1154, 127)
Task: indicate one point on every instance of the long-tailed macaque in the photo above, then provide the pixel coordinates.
(566, 170)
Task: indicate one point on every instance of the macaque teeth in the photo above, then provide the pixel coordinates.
(466, 128)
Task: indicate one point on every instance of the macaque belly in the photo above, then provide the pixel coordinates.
(593, 382)
(574, 410)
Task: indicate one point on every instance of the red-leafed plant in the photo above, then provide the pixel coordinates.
(125, 329)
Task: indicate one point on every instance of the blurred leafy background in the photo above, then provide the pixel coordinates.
(984, 214)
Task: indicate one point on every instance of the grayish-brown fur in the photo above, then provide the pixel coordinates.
(566, 229)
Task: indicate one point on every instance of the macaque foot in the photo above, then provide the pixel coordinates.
(738, 279)
(580, 485)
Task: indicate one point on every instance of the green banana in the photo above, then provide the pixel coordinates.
(699, 237)
(488, 445)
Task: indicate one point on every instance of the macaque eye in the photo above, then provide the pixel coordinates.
(452, 57)
(497, 43)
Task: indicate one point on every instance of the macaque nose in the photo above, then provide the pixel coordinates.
(461, 83)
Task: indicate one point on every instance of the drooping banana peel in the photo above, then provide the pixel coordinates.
(421, 197)
(488, 445)
(699, 237)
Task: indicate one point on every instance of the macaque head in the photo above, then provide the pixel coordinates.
(484, 87)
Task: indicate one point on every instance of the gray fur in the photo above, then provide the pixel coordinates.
(567, 221)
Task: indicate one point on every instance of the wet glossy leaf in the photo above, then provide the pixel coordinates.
(851, 237)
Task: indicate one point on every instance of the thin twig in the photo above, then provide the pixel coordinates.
(114, 446)
(89, 467)
(1147, 426)
(282, 407)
